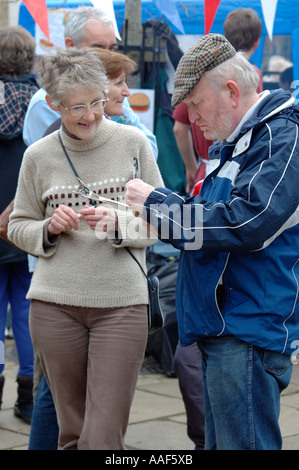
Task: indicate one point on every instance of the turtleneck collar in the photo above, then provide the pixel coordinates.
(104, 132)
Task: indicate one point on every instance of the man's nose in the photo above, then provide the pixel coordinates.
(192, 113)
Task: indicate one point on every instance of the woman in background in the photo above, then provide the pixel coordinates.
(17, 56)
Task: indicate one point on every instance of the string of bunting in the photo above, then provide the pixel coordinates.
(39, 12)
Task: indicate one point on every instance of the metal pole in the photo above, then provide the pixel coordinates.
(133, 34)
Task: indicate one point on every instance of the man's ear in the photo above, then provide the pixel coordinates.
(69, 42)
(234, 92)
(49, 101)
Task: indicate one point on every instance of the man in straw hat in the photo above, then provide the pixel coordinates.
(237, 287)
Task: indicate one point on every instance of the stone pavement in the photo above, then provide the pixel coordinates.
(158, 419)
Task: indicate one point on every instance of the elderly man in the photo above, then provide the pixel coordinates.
(237, 288)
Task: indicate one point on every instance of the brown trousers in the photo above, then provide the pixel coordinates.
(91, 359)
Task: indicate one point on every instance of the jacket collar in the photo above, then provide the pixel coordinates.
(270, 105)
(283, 106)
(247, 116)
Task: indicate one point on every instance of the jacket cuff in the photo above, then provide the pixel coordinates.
(154, 199)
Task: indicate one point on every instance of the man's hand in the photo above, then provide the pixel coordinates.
(137, 194)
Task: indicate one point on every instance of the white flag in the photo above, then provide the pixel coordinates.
(269, 11)
(170, 10)
(107, 7)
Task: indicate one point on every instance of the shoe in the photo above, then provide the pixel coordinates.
(2, 380)
(8, 333)
(24, 405)
(24, 412)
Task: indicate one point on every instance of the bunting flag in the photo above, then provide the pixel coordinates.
(269, 12)
(211, 7)
(107, 7)
(38, 11)
(170, 11)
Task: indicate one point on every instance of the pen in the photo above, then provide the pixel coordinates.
(135, 167)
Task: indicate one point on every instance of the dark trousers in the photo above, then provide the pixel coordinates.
(187, 362)
(44, 428)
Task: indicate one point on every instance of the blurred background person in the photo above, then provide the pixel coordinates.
(193, 146)
(286, 79)
(243, 29)
(17, 56)
(277, 65)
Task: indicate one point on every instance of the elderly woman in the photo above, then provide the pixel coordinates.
(118, 67)
(88, 318)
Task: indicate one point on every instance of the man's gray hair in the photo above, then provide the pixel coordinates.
(76, 21)
(238, 69)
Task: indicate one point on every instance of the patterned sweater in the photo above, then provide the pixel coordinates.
(81, 269)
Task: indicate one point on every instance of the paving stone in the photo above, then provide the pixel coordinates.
(158, 435)
(157, 419)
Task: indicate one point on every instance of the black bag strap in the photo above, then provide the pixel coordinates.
(134, 257)
(67, 156)
(92, 203)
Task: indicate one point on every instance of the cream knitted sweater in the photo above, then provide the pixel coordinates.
(81, 269)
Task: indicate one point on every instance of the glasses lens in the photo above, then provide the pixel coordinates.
(97, 106)
(77, 110)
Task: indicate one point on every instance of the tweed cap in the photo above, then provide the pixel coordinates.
(211, 50)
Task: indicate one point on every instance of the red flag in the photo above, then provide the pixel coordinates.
(210, 12)
(38, 11)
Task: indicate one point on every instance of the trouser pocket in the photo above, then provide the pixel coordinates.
(279, 366)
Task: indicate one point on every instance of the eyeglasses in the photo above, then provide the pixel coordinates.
(96, 107)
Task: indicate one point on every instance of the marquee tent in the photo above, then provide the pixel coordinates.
(192, 14)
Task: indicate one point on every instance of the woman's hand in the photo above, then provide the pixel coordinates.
(64, 219)
(101, 218)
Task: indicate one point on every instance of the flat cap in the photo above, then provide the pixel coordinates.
(208, 52)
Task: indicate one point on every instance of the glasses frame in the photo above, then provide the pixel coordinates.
(85, 106)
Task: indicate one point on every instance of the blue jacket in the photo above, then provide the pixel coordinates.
(239, 264)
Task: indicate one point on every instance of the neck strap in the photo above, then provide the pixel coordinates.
(67, 156)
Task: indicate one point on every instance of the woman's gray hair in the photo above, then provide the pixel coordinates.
(66, 70)
(76, 21)
(238, 69)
